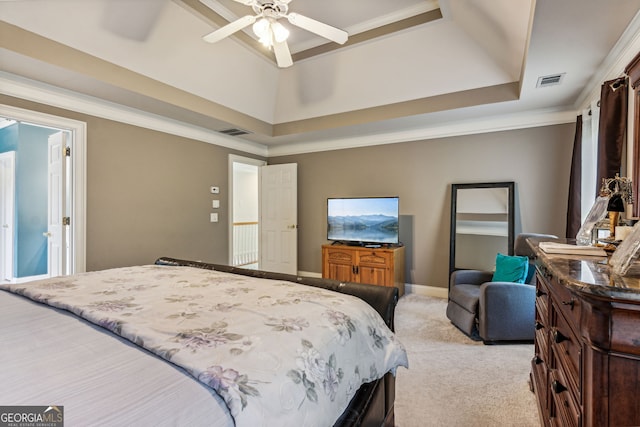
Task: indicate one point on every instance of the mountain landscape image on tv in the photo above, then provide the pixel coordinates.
(363, 220)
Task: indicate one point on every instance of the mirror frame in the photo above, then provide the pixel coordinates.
(510, 186)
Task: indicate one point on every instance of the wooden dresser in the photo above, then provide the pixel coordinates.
(375, 266)
(586, 367)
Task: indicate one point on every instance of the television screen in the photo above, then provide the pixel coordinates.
(372, 220)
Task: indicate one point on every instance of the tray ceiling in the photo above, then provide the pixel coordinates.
(408, 64)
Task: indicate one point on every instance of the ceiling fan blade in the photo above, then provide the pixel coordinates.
(283, 55)
(247, 2)
(230, 28)
(327, 31)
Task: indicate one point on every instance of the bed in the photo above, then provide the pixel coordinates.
(190, 343)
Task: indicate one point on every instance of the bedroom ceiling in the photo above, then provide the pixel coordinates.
(411, 68)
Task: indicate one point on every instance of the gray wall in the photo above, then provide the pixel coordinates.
(148, 192)
(421, 173)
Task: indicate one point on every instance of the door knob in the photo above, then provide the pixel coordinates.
(46, 234)
(293, 226)
(5, 225)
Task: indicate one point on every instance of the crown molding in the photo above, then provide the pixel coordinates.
(496, 123)
(30, 90)
(42, 93)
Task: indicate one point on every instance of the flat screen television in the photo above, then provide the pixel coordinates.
(363, 220)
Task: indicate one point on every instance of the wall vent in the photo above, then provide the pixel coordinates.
(234, 132)
(552, 80)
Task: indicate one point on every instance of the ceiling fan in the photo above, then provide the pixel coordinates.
(272, 33)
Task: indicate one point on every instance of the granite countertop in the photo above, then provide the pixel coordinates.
(590, 275)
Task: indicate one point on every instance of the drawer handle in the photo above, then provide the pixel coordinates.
(571, 303)
(537, 360)
(540, 292)
(558, 337)
(557, 387)
(539, 326)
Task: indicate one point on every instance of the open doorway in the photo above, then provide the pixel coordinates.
(244, 211)
(263, 226)
(43, 197)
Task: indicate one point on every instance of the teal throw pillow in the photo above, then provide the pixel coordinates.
(511, 269)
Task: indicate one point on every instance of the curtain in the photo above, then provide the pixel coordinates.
(575, 185)
(633, 71)
(614, 101)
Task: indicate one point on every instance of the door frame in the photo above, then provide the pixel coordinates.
(9, 257)
(234, 158)
(78, 175)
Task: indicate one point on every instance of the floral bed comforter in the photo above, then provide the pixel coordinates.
(278, 353)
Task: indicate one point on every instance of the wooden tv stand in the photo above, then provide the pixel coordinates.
(586, 367)
(382, 266)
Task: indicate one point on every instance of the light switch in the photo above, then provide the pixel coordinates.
(214, 217)
(215, 204)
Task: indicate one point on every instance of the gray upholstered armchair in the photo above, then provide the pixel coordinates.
(495, 311)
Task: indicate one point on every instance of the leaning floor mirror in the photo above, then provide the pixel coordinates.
(482, 224)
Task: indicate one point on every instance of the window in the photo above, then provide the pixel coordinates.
(633, 71)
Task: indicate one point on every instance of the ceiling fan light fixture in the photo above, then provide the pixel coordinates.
(280, 33)
(270, 31)
(261, 28)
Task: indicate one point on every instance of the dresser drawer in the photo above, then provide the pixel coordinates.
(566, 349)
(568, 304)
(542, 315)
(375, 258)
(542, 312)
(564, 410)
(539, 377)
(542, 346)
(345, 257)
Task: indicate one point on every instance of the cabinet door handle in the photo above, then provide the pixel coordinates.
(540, 292)
(537, 360)
(557, 387)
(558, 337)
(571, 303)
(539, 326)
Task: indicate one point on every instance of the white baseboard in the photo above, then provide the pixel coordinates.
(430, 291)
(409, 288)
(18, 280)
(310, 274)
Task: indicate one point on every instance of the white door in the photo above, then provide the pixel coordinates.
(7, 213)
(279, 218)
(56, 252)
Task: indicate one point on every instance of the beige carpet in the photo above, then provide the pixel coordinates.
(453, 381)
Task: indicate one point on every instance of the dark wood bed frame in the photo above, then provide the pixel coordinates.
(373, 404)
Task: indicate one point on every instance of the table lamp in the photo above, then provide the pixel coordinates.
(614, 207)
